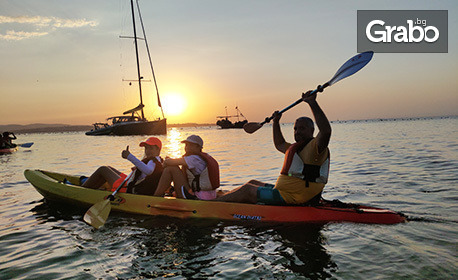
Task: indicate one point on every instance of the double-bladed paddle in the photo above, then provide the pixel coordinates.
(97, 215)
(349, 68)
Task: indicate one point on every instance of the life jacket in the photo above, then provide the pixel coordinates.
(294, 166)
(148, 185)
(209, 178)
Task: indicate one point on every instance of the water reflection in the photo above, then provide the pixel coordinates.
(308, 243)
(202, 249)
(158, 247)
(173, 146)
(172, 247)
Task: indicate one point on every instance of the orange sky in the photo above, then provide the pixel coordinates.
(65, 64)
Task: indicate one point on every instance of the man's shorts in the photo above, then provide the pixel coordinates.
(270, 196)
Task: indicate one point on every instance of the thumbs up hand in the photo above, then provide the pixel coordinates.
(125, 153)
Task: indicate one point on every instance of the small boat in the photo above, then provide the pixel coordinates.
(49, 184)
(10, 150)
(6, 151)
(224, 122)
(133, 122)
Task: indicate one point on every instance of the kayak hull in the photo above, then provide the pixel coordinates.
(49, 185)
(8, 151)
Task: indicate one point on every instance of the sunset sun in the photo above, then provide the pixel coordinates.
(173, 103)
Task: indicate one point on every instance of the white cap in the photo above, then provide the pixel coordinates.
(194, 139)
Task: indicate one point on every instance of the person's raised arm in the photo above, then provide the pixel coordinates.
(145, 168)
(324, 127)
(279, 140)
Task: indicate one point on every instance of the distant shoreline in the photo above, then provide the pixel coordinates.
(55, 128)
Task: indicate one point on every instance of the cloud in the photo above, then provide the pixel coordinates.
(20, 35)
(43, 26)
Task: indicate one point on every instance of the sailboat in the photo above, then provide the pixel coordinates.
(133, 121)
(224, 121)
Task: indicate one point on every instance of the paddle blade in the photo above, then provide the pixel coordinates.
(97, 215)
(252, 127)
(352, 66)
(26, 145)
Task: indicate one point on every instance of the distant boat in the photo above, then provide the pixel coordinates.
(224, 122)
(133, 121)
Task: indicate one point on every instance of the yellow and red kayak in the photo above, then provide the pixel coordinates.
(49, 184)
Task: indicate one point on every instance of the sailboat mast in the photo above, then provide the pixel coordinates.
(150, 61)
(138, 61)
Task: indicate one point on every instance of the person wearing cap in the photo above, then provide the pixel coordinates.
(144, 177)
(198, 177)
(305, 168)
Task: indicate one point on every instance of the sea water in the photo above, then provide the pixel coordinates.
(403, 165)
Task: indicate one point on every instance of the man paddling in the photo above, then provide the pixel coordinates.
(305, 168)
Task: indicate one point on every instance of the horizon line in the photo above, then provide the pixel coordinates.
(211, 124)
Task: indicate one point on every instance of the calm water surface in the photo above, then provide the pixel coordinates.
(408, 166)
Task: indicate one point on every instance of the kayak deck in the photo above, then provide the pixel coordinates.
(49, 184)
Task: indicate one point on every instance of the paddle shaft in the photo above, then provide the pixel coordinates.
(111, 196)
(349, 68)
(97, 215)
(318, 89)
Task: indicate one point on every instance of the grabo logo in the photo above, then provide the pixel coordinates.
(403, 31)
